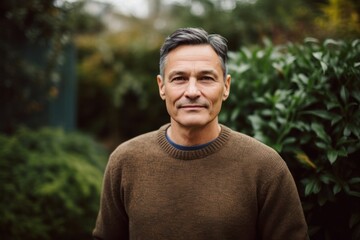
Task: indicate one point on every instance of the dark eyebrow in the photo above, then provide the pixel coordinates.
(173, 73)
(211, 72)
(184, 73)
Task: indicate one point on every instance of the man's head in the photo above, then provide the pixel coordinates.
(193, 80)
(194, 36)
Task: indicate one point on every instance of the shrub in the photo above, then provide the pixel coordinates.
(304, 101)
(50, 184)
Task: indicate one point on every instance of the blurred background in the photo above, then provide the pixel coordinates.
(79, 77)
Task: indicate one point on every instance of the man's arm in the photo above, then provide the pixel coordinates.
(280, 212)
(112, 220)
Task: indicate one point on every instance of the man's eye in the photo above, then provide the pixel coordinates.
(178, 79)
(207, 78)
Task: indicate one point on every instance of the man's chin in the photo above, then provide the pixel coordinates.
(192, 123)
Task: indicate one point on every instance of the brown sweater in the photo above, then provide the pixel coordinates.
(234, 188)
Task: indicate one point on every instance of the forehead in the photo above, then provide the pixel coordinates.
(189, 56)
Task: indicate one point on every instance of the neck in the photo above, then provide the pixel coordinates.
(196, 135)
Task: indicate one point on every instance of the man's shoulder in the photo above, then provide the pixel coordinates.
(139, 142)
(253, 150)
(139, 147)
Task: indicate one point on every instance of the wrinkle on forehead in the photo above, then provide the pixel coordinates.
(190, 58)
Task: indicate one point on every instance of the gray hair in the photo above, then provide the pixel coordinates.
(194, 36)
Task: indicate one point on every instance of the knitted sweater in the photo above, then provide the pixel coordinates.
(234, 188)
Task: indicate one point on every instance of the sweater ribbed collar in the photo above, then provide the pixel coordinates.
(211, 148)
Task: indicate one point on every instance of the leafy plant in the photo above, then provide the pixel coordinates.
(50, 184)
(304, 101)
(35, 34)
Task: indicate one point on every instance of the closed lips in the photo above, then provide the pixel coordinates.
(192, 105)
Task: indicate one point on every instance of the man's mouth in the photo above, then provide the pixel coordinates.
(192, 106)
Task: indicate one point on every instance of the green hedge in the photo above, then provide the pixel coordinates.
(304, 101)
(50, 184)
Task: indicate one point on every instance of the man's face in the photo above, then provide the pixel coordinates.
(193, 86)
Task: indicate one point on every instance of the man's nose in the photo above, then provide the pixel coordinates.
(192, 90)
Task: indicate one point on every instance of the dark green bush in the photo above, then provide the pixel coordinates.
(50, 184)
(304, 101)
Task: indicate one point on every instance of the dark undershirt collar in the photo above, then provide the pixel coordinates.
(187, 148)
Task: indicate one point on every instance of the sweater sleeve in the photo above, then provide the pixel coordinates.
(280, 212)
(112, 220)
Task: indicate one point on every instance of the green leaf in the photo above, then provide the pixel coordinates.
(278, 67)
(273, 126)
(318, 55)
(320, 132)
(354, 193)
(280, 106)
(342, 152)
(354, 180)
(347, 131)
(321, 145)
(332, 105)
(332, 156)
(266, 112)
(331, 41)
(323, 66)
(246, 53)
(336, 119)
(312, 187)
(336, 188)
(256, 121)
(304, 79)
(320, 113)
(355, 42)
(327, 178)
(277, 146)
(308, 189)
(289, 140)
(353, 128)
(234, 114)
(240, 68)
(344, 94)
(311, 40)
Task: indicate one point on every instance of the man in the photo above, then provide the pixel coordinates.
(194, 178)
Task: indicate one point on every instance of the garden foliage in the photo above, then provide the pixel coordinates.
(50, 184)
(34, 34)
(304, 101)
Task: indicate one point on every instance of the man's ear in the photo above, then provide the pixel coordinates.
(227, 87)
(161, 85)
